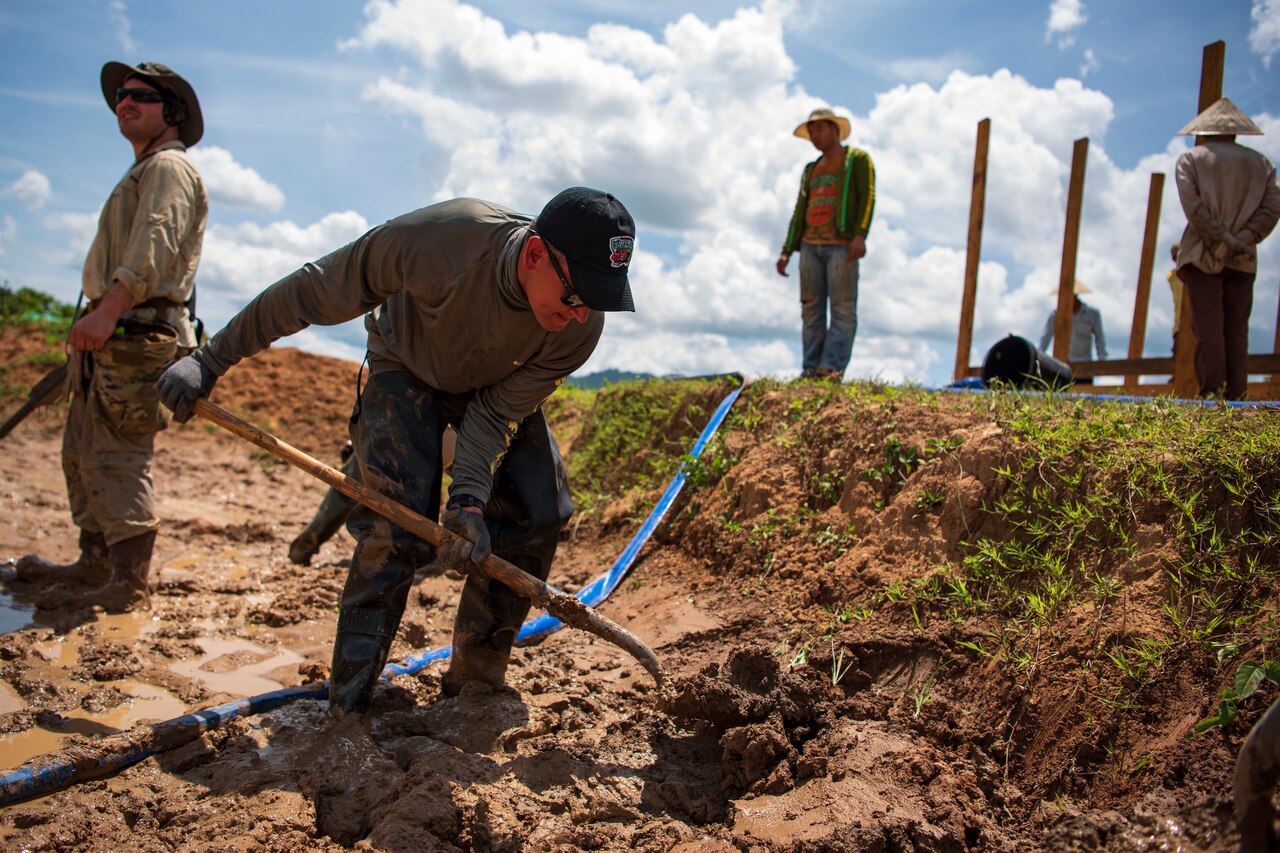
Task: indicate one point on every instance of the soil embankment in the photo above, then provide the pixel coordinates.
(874, 641)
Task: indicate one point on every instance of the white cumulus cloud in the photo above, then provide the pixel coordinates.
(1264, 35)
(1065, 17)
(1089, 64)
(239, 261)
(118, 13)
(8, 232)
(691, 128)
(32, 188)
(232, 183)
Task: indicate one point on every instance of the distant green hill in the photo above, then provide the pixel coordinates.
(597, 380)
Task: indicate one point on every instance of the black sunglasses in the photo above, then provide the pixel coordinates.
(139, 95)
(570, 299)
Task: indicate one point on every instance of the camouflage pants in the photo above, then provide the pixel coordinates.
(109, 437)
(397, 436)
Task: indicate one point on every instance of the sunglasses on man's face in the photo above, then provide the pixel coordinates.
(570, 298)
(139, 95)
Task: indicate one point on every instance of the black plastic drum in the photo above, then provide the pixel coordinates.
(1017, 362)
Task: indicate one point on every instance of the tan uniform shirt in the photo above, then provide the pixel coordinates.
(444, 302)
(1225, 188)
(149, 237)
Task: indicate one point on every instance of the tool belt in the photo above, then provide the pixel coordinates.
(158, 303)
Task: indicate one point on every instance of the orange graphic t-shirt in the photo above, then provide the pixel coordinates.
(820, 212)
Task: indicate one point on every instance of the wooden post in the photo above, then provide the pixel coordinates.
(1138, 334)
(1070, 243)
(1212, 63)
(977, 207)
(1275, 348)
(1185, 382)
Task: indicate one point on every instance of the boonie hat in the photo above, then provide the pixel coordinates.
(161, 76)
(1221, 118)
(825, 114)
(597, 235)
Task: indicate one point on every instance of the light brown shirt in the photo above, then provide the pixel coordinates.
(149, 237)
(1225, 188)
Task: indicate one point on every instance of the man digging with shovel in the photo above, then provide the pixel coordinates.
(475, 314)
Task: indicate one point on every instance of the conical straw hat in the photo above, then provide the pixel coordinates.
(1221, 118)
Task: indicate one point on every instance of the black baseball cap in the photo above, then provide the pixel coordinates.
(597, 235)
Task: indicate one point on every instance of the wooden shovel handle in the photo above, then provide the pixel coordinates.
(564, 607)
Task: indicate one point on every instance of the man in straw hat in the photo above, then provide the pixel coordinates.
(139, 278)
(1086, 331)
(829, 226)
(1230, 196)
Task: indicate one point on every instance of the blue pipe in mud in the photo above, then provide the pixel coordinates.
(41, 779)
(47, 777)
(598, 590)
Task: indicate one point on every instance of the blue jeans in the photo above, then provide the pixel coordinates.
(827, 274)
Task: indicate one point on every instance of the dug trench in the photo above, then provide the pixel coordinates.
(878, 635)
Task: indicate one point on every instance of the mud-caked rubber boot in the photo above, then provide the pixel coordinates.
(360, 651)
(90, 569)
(470, 661)
(489, 617)
(126, 591)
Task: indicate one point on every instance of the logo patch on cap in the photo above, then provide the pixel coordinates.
(620, 250)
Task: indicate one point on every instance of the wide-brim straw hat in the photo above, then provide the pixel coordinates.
(162, 77)
(1079, 288)
(1221, 118)
(825, 114)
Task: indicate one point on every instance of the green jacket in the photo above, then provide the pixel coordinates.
(857, 181)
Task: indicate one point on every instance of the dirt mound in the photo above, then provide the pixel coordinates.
(890, 620)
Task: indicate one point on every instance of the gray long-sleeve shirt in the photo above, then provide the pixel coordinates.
(1086, 329)
(443, 301)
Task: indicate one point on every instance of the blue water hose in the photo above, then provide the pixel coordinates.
(46, 778)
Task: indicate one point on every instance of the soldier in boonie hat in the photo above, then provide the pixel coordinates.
(139, 279)
(181, 108)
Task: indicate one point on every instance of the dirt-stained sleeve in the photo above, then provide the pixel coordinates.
(167, 202)
(494, 415)
(338, 287)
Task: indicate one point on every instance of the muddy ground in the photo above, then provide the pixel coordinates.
(806, 711)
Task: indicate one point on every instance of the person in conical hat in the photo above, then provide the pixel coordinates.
(1231, 199)
(1086, 330)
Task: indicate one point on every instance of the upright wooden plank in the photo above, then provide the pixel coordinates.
(1138, 333)
(1070, 243)
(1185, 382)
(977, 208)
(1275, 348)
(1212, 63)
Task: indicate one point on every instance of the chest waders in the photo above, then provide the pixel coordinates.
(397, 431)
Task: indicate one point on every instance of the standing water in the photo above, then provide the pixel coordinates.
(14, 616)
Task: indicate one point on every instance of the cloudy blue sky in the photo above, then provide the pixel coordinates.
(324, 118)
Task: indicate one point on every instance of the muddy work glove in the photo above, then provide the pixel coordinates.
(187, 380)
(472, 541)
